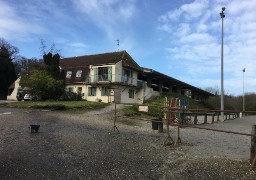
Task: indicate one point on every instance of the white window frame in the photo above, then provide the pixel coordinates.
(131, 93)
(68, 74)
(79, 73)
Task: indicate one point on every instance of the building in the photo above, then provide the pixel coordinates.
(163, 83)
(13, 90)
(116, 77)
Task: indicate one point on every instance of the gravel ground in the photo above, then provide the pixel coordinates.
(79, 146)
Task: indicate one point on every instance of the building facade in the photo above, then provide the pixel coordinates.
(116, 77)
(109, 77)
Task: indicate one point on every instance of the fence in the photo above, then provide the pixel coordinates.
(184, 113)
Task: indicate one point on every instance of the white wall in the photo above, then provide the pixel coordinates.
(14, 93)
(148, 92)
(118, 71)
(75, 89)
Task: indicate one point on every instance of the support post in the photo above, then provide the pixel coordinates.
(178, 140)
(253, 145)
(205, 118)
(160, 125)
(195, 118)
(169, 140)
(115, 127)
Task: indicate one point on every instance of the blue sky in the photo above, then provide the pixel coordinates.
(180, 38)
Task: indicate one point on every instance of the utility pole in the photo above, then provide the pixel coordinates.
(222, 15)
(243, 90)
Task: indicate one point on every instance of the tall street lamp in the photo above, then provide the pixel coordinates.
(222, 15)
(243, 90)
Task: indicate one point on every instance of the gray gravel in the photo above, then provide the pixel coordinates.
(79, 146)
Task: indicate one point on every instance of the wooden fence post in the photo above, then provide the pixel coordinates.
(213, 118)
(195, 118)
(205, 118)
(253, 146)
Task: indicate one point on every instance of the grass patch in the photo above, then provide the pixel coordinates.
(69, 105)
(131, 110)
(156, 103)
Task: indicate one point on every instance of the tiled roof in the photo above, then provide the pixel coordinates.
(99, 59)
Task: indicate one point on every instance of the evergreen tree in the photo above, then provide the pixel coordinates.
(7, 69)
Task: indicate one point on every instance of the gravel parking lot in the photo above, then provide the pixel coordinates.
(79, 146)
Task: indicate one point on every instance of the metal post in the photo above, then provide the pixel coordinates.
(222, 15)
(115, 127)
(169, 140)
(243, 91)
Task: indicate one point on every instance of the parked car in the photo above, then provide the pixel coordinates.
(27, 97)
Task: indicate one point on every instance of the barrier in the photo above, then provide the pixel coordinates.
(169, 113)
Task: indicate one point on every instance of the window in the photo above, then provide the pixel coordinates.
(131, 93)
(78, 73)
(69, 74)
(127, 76)
(103, 74)
(79, 90)
(92, 91)
(105, 91)
(70, 89)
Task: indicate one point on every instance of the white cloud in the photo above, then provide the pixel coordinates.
(77, 45)
(188, 11)
(110, 16)
(13, 26)
(238, 8)
(197, 37)
(183, 29)
(196, 30)
(195, 9)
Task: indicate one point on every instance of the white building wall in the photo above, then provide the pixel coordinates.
(148, 92)
(125, 96)
(118, 71)
(14, 92)
(75, 89)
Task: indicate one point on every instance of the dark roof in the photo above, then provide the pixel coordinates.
(170, 80)
(99, 59)
(79, 62)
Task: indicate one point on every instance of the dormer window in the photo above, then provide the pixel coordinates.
(69, 74)
(78, 73)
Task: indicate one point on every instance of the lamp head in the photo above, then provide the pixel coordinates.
(223, 9)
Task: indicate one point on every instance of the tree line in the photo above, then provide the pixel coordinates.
(231, 102)
(42, 76)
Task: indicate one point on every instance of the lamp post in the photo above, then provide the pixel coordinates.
(222, 15)
(243, 90)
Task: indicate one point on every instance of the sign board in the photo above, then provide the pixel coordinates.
(143, 108)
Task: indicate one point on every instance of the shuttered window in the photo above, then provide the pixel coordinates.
(95, 75)
(92, 91)
(105, 91)
(109, 73)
